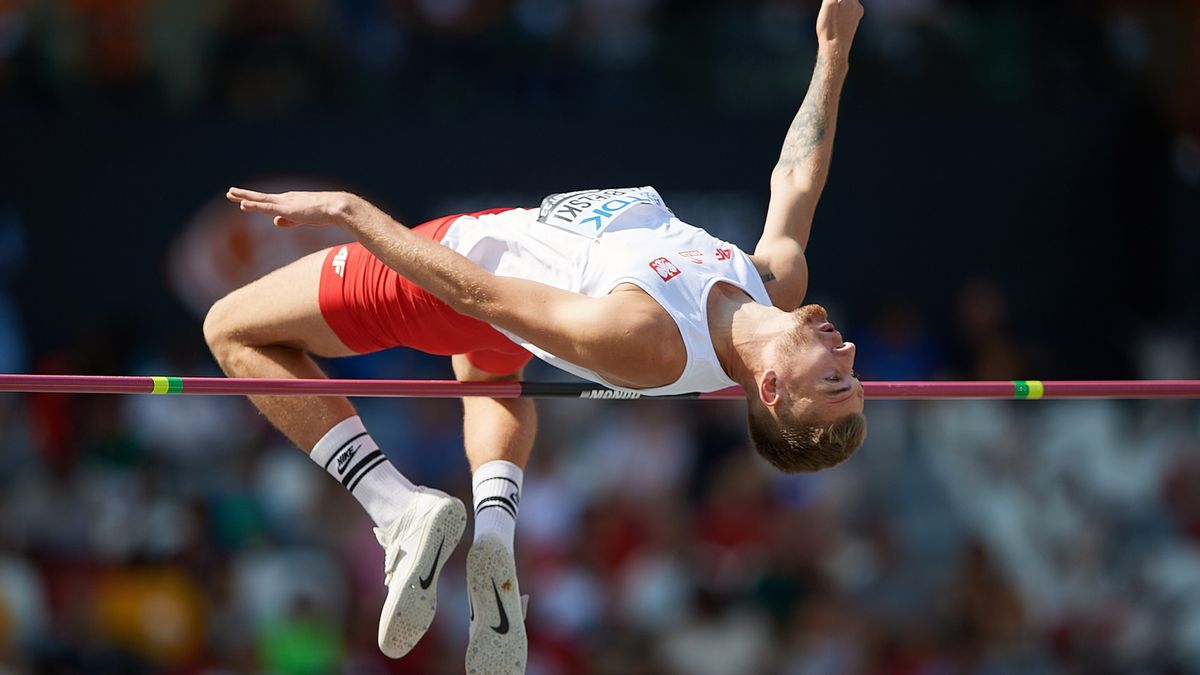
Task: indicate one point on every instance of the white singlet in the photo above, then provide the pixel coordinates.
(591, 241)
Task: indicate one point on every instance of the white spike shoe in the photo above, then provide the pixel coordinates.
(497, 644)
(416, 545)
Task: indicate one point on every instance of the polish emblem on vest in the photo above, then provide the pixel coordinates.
(665, 268)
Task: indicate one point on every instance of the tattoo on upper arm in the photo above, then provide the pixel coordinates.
(811, 122)
(768, 277)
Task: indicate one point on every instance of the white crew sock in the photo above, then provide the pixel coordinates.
(497, 489)
(348, 453)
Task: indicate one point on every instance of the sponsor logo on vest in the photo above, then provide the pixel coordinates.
(339, 261)
(665, 268)
(593, 208)
(724, 253)
(609, 394)
(695, 256)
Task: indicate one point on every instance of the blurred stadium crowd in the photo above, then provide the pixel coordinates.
(182, 535)
(280, 57)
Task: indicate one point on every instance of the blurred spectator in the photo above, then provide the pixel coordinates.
(192, 431)
(271, 58)
(113, 40)
(615, 33)
(22, 607)
(156, 613)
(897, 345)
(985, 613)
(13, 27)
(717, 639)
(985, 350)
(1179, 494)
(302, 642)
(826, 638)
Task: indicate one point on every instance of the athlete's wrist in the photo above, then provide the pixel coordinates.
(342, 208)
(833, 57)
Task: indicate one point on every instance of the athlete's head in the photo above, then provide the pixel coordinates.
(805, 403)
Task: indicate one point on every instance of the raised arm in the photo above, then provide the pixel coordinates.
(799, 177)
(590, 332)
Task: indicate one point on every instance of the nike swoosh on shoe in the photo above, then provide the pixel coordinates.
(426, 580)
(503, 627)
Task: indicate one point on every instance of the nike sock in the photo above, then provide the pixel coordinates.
(497, 488)
(348, 453)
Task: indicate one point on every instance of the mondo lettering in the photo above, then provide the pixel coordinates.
(609, 394)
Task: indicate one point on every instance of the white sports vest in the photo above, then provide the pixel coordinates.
(591, 241)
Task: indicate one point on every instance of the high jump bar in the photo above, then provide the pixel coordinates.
(232, 386)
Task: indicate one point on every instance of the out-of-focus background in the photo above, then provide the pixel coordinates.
(1015, 194)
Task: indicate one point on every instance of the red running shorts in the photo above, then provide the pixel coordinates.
(371, 307)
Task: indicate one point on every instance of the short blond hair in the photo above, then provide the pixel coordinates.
(799, 445)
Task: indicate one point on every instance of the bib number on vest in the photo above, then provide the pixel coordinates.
(588, 212)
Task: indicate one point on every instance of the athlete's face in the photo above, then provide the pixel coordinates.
(818, 367)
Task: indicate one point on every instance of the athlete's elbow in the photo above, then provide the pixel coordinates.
(796, 181)
(475, 301)
(465, 304)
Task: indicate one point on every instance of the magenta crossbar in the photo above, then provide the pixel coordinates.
(1002, 389)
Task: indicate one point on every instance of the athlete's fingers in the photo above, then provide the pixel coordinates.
(241, 194)
(260, 207)
(289, 209)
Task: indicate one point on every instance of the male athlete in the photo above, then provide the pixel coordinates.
(606, 284)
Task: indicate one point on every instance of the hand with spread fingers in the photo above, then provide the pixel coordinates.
(290, 209)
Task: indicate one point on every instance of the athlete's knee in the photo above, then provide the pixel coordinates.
(221, 329)
(215, 333)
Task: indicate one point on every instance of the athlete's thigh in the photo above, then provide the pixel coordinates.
(495, 428)
(283, 308)
(466, 371)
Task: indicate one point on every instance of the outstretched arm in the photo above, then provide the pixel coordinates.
(799, 176)
(590, 332)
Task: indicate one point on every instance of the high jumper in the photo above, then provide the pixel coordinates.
(606, 284)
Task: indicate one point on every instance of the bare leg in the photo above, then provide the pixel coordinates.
(495, 429)
(268, 329)
(498, 435)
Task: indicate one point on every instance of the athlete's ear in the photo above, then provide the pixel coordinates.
(768, 388)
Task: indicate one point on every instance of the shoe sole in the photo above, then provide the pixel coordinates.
(488, 651)
(409, 609)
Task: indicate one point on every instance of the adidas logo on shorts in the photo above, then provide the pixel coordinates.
(339, 261)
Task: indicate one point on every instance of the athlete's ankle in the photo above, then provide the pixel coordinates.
(349, 454)
(497, 490)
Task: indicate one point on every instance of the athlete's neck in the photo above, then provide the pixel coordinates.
(741, 330)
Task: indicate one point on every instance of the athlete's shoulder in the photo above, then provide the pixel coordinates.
(784, 271)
